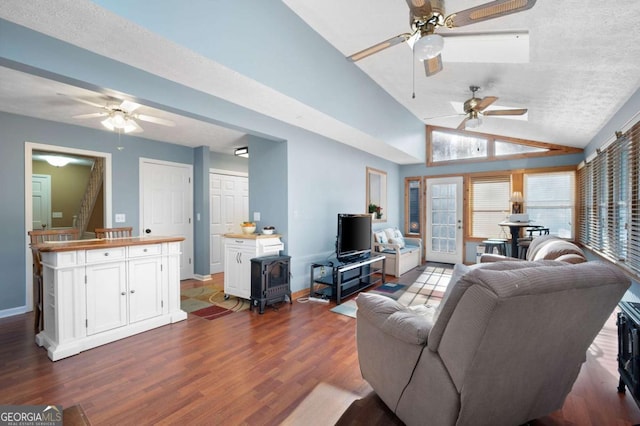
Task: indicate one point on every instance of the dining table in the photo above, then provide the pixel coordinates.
(514, 229)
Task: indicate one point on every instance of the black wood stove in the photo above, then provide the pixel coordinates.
(270, 281)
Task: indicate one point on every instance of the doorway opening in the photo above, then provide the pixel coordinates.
(32, 149)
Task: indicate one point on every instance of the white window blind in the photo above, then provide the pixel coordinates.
(609, 187)
(489, 204)
(549, 201)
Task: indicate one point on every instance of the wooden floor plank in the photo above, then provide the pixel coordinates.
(247, 368)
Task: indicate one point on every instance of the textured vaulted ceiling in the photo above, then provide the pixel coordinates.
(584, 64)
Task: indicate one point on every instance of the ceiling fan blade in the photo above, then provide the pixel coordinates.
(521, 111)
(433, 66)
(135, 124)
(485, 102)
(443, 116)
(419, 8)
(462, 125)
(129, 106)
(401, 38)
(84, 101)
(484, 12)
(155, 120)
(92, 115)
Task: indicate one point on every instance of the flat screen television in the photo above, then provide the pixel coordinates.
(354, 236)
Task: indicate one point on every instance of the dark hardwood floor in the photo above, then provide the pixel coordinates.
(246, 368)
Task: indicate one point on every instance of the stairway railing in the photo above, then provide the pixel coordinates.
(91, 194)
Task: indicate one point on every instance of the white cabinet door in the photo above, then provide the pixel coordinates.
(106, 297)
(145, 288)
(237, 276)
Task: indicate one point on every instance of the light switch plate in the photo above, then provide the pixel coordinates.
(256, 216)
(121, 218)
(56, 215)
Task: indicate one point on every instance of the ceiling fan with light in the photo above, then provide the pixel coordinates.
(474, 107)
(120, 117)
(426, 16)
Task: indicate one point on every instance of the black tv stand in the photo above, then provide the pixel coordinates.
(340, 279)
(628, 323)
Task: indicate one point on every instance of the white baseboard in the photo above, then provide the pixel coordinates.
(202, 277)
(14, 311)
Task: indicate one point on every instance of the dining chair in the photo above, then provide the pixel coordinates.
(122, 232)
(37, 237)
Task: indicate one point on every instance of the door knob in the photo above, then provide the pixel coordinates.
(147, 231)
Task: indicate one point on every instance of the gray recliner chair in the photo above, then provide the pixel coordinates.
(504, 347)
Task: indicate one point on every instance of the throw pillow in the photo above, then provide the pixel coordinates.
(381, 237)
(389, 232)
(397, 240)
(393, 233)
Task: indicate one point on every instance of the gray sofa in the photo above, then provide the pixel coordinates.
(504, 347)
(546, 247)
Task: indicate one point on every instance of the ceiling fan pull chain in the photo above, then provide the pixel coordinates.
(413, 73)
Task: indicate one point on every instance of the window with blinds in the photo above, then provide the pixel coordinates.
(609, 189)
(549, 201)
(489, 204)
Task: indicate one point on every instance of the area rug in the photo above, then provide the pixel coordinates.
(426, 292)
(323, 406)
(207, 301)
(429, 287)
(348, 308)
(392, 290)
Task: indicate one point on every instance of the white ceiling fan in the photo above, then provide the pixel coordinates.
(120, 117)
(426, 16)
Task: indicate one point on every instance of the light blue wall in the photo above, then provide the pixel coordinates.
(327, 178)
(299, 187)
(282, 52)
(201, 209)
(26, 50)
(268, 190)
(228, 162)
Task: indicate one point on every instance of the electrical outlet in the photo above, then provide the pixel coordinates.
(322, 271)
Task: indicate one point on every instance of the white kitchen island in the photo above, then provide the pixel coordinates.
(101, 290)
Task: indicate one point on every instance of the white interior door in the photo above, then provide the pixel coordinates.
(41, 201)
(444, 220)
(166, 209)
(229, 204)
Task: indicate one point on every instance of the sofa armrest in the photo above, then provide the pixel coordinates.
(394, 319)
(413, 241)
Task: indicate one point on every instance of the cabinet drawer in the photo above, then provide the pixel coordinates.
(102, 255)
(146, 250)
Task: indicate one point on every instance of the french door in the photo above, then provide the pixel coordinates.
(444, 220)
